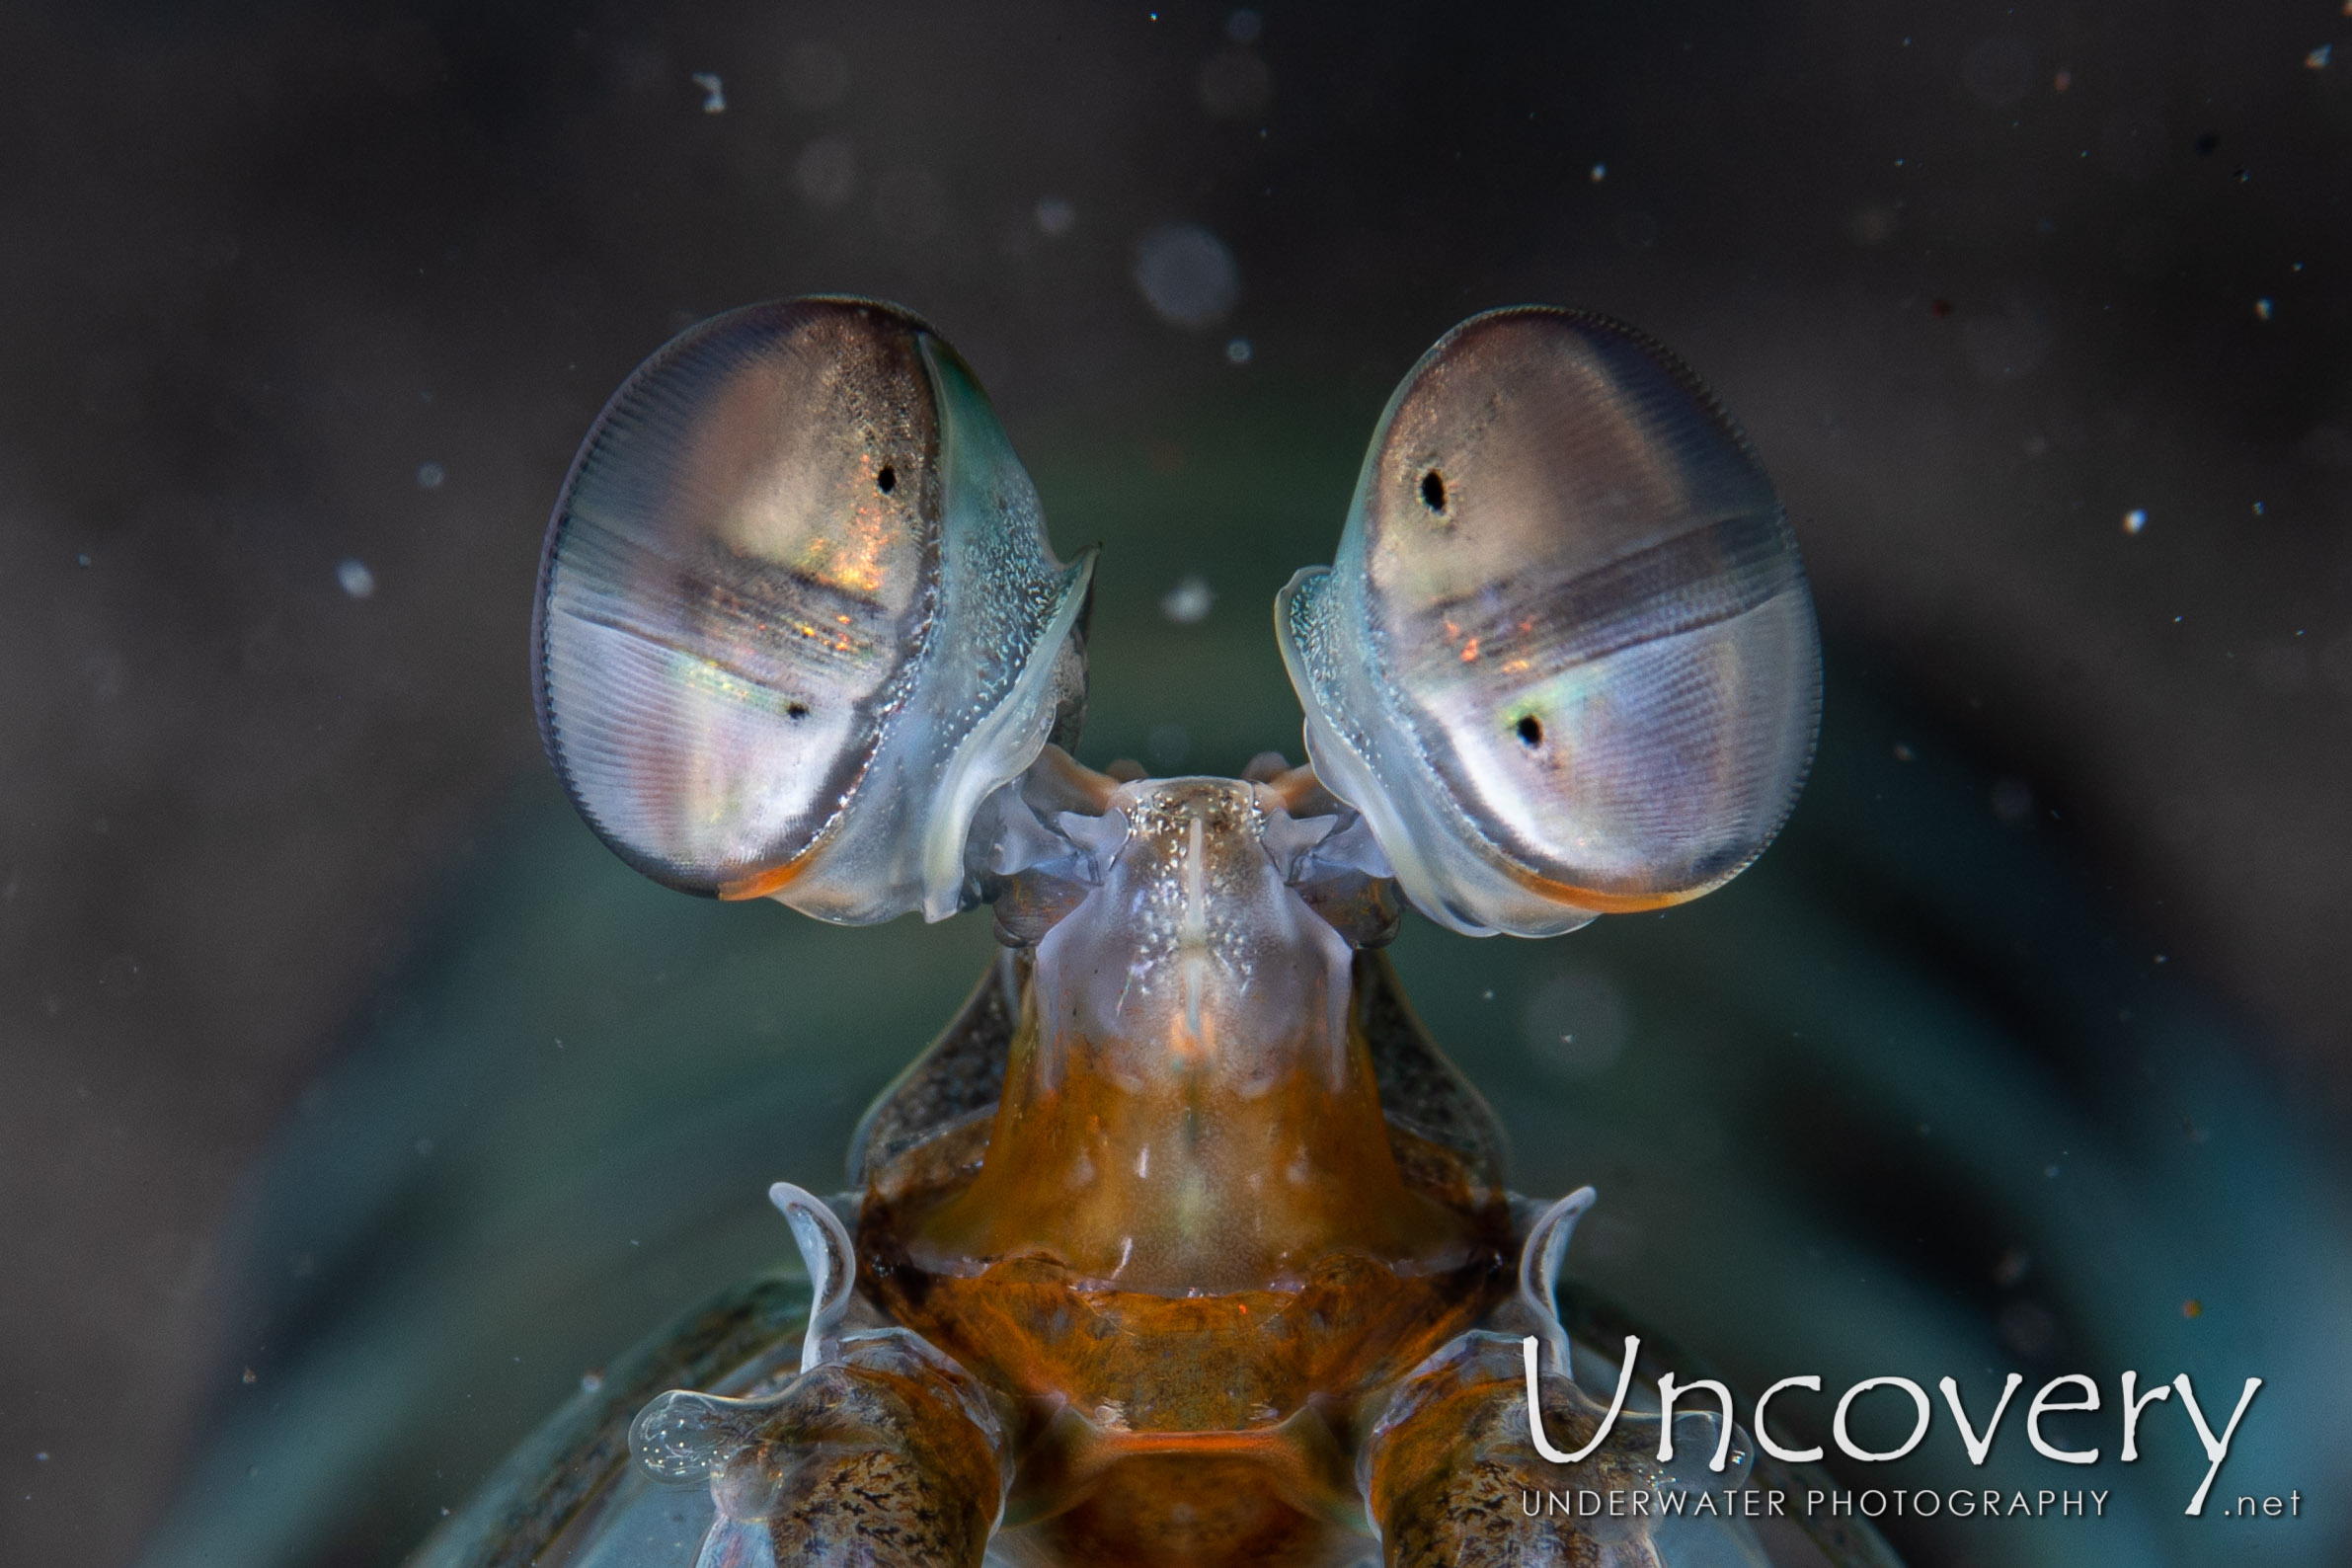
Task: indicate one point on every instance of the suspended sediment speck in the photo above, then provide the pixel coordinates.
(430, 476)
(1189, 603)
(2134, 520)
(1186, 275)
(714, 91)
(357, 579)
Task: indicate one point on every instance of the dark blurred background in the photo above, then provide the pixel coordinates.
(2038, 315)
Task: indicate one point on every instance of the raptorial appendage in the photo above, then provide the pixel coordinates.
(1451, 1469)
(1456, 1475)
(889, 1457)
(881, 1453)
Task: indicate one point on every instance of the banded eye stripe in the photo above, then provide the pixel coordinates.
(1564, 659)
(1704, 578)
(755, 620)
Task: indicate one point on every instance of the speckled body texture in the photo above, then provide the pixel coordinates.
(925, 1494)
(1452, 1481)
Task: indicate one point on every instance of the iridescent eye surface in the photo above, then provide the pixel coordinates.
(798, 614)
(1565, 663)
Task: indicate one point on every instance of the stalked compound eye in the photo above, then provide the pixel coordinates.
(1565, 663)
(798, 616)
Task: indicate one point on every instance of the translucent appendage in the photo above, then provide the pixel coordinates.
(882, 1453)
(831, 1261)
(1455, 1471)
(891, 1456)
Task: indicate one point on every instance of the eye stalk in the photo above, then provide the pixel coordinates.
(798, 616)
(1565, 662)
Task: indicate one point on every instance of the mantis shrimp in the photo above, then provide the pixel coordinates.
(1184, 1243)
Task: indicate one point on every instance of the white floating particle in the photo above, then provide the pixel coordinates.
(1599, 172)
(714, 91)
(2316, 60)
(357, 579)
(1056, 216)
(1244, 26)
(431, 475)
(2262, 308)
(2258, 512)
(1189, 603)
(1186, 275)
(1238, 351)
(2134, 520)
